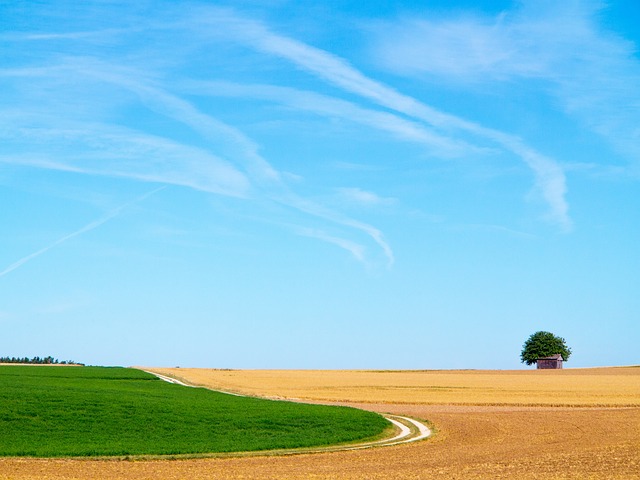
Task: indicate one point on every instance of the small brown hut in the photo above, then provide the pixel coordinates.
(552, 362)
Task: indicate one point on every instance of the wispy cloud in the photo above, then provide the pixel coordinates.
(82, 130)
(440, 144)
(258, 168)
(362, 197)
(243, 149)
(355, 249)
(87, 228)
(40, 37)
(593, 73)
(98, 149)
(121, 152)
(550, 179)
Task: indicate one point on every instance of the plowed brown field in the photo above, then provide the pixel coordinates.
(490, 428)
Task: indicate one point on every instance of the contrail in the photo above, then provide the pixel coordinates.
(90, 226)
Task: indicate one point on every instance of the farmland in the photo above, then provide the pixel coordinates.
(569, 387)
(498, 425)
(95, 411)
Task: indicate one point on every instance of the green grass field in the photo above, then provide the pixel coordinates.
(96, 411)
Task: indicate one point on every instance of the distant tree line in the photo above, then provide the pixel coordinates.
(38, 361)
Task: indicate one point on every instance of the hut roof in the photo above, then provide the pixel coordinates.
(557, 356)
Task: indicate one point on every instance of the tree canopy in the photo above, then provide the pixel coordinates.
(543, 344)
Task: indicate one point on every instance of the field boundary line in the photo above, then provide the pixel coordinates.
(410, 429)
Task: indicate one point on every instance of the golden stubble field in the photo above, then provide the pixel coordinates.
(618, 386)
(569, 424)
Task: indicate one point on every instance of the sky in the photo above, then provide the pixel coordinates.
(339, 185)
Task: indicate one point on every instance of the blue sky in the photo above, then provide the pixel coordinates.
(319, 184)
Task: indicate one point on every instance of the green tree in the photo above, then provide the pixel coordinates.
(543, 344)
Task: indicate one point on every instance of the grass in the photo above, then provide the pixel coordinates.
(100, 411)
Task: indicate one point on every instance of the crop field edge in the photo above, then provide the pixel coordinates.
(376, 441)
(369, 442)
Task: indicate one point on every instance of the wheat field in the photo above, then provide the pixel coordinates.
(498, 425)
(619, 386)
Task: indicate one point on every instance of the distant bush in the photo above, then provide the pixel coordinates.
(38, 361)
